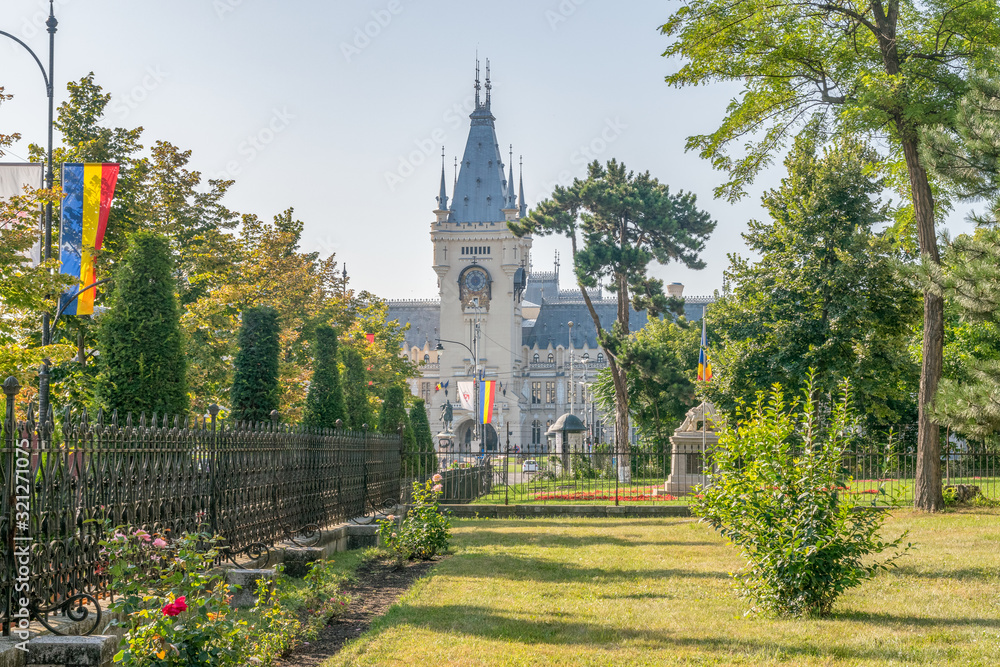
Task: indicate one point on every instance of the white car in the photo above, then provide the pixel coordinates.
(530, 465)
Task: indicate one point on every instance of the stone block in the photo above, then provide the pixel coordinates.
(361, 537)
(249, 583)
(299, 560)
(95, 651)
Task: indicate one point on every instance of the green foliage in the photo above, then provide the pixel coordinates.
(424, 532)
(325, 402)
(357, 398)
(661, 362)
(255, 383)
(393, 413)
(174, 605)
(860, 67)
(968, 157)
(970, 278)
(826, 292)
(776, 495)
(626, 221)
(143, 368)
(424, 458)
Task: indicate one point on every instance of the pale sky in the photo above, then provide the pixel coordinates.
(339, 109)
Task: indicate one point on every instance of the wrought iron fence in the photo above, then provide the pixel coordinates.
(880, 474)
(67, 479)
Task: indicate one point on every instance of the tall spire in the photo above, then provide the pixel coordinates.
(489, 86)
(520, 189)
(477, 80)
(511, 198)
(443, 197)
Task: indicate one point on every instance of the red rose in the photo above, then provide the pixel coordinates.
(175, 607)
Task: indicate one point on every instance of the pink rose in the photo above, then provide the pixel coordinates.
(437, 488)
(437, 477)
(159, 543)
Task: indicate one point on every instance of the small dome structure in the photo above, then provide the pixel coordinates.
(568, 424)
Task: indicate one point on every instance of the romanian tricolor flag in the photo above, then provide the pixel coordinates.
(704, 364)
(87, 193)
(487, 395)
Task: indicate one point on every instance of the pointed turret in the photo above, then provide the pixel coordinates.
(511, 197)
(442, 197)
(520, 187)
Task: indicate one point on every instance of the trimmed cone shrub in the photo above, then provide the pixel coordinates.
(142, 363)
(325, 402)
(255, 389)
(356, 397)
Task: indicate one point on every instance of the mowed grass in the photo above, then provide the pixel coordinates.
(656, 592)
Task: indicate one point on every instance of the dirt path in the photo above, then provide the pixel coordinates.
(377, 587)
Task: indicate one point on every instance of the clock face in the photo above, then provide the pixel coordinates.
(475, 280)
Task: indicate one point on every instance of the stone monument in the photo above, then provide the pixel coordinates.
(692, 442)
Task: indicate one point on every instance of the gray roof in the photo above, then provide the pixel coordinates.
(551, 323)
(481, 192)
(424, 318)
(568, 423)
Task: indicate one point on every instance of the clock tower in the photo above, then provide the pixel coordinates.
(481, 270)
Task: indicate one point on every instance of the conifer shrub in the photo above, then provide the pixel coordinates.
(325, 401)
(255, 388)
(425, 460)
(356, 396)
(777, 492)
(142, 362)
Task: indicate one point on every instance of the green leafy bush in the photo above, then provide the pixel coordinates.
(175, 607)
(424, 532)
(776, 494)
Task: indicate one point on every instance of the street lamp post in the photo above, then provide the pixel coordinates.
(475, 363)
(51, 26)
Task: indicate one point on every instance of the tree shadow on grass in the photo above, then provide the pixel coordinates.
(561, 629)
(991, 574)
(880, 618)
(523, 568)
(543, 539)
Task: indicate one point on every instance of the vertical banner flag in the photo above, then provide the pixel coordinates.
(370, 338)
(704, 364)
(465, 391)
(487, 395)
(87, 193)
(13, 177)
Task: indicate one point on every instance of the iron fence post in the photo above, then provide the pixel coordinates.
(213, 462)
(10, 387)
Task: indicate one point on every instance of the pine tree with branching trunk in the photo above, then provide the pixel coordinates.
(625, 221)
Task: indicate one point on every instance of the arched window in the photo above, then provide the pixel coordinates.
(552, 357)
(536, 432)
(535, 358)
(427, 358)
(586, 357)
(600, 357)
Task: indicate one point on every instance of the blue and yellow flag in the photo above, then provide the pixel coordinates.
(704, 363)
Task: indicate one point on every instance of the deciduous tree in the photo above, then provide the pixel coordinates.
(886, 68)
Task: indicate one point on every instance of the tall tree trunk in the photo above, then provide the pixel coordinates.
(617, 373)
(927, 485)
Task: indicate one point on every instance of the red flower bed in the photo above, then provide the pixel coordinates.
(603, 495)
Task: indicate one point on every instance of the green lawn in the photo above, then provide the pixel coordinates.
(656, 592)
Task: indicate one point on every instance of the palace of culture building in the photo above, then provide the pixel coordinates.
(537, 340)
